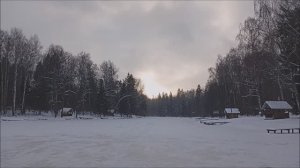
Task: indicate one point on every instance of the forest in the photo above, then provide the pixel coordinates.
(265, 65)
(50, 80)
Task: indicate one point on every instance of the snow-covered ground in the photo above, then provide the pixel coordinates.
(148, 142)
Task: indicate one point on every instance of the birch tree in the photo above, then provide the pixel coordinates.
(17, 52)
(5, 64)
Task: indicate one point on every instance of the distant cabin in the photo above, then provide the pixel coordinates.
(66, 112)
(110, 112)
(216, 113)
(276, 109)
(231, 112)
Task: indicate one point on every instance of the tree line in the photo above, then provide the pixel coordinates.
(265, 65)
(42, 81)
(185, 103)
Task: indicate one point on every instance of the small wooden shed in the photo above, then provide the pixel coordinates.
(276, 109)
(66, 112)
(231, 112)
(216, 113)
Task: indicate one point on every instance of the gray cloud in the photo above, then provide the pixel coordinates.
(176, 42)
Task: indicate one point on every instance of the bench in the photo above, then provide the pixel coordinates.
(214, 122)
(296, 129)
(272, 130)
(284, 130)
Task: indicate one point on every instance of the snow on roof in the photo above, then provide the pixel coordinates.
(277, 105)
(232, 110)
(66, 109)
(216, 112)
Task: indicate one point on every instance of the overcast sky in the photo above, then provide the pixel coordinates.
(168, 44)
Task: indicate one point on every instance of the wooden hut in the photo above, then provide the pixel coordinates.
(231, 112)
(276, 109)
(66, 112)
(216, 113)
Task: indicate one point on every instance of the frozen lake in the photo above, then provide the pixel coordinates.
(148, 142)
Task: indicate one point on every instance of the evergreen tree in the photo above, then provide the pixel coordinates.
(198, 101)
(102, 104)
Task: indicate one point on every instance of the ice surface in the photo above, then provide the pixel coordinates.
(148, 142)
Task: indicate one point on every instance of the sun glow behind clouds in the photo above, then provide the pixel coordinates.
(151, 87)
(150, 39)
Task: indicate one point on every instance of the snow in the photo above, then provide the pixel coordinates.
(277, 105)
(232, 110)
(148, 142)
(65, 109)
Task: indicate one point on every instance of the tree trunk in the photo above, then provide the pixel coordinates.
(2, 86)
(280, 86)
(298, 102)
(259, 103)
(14, 88)
(24, 93)
(5, 86)
(258, 99)
(296, 97)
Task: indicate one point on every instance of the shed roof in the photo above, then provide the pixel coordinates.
(280, 105)
(232, 110)
(216, 112)
(66, 109)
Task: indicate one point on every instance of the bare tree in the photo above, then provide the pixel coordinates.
(5, 63)
(19, 42)
(109, 74)
(28, 62)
